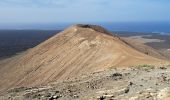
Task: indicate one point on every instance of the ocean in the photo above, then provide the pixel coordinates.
(149, 27)
(154, 27)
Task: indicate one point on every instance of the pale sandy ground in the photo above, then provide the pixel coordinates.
(140, 83)
(144, 40)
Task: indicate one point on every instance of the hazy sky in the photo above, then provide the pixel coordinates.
(53, 11)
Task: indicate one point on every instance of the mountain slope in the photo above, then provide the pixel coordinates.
(78, 50)
(144, 48)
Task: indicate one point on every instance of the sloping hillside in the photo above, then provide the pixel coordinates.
(144, 48)
(78, 50)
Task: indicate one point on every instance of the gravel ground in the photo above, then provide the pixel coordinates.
(143, 82)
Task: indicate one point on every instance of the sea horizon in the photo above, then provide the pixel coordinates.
(144, 27)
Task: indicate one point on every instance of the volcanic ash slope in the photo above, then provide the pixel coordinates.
(77, 50)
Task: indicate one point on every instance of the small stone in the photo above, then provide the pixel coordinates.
(75, 96)
(127, 90)
(131, 83)
(163, 68)
(57, 91)
(100, 98)
(54, 98)
(116, 74)
(108, 96)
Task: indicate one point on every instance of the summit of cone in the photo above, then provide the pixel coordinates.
(94, 27)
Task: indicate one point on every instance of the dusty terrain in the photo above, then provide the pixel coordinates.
(78, 51)
(157, 41)
(144, 40)
(140, 83)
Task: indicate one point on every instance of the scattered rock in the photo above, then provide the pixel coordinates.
(163, 68)
(100, 98)
(54, 97)
(137, 86)
(116, 76)
(75, 96)
(127, 90)
(164, 94)
(131, 83)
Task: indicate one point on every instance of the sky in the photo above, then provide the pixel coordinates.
(63, 11)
